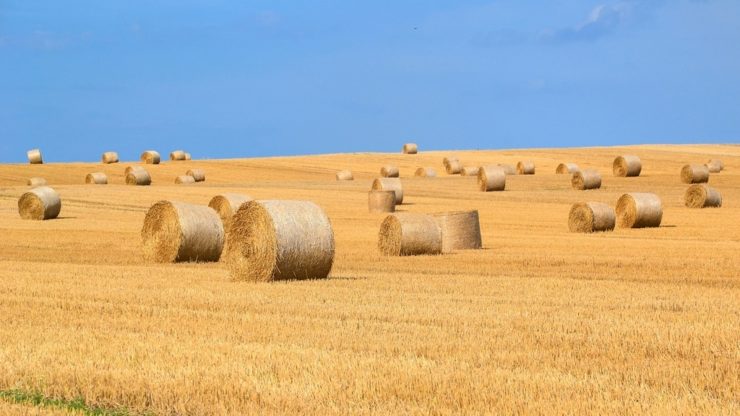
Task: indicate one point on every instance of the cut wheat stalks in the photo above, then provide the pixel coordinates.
(198, 174)
(34, 182)
(409, 234)
(491, 178)
(702, 196)
(96, 178)
(177, 155)
(138, 176)
(150, 157)
(695, 174)
(410, 148)
(589, 217)
(109, 157)
(426, 172)
(470, 171)
(586, 179)
(460, 230)
(381, 201)
(184, 179)
(345, 175)
(639, 210)
(566, 168)
(42, 203)
(715, 166)
(525, 167)
(34, 157)
(627, 166)
(389, 171)
(389, 184)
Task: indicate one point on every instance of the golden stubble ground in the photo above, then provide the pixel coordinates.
(539, 321)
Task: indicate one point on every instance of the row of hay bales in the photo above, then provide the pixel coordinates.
(412, 234)
(150, 157)
(133, 175)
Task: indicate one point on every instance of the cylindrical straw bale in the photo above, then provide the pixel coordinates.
(34, 157)
(177, 232)
(715, 166)
(109, 157)
(460, 230)
(198, 174)
(586, 179)
(177, 155)
(695, 174)
(389, 171)
(226, 206)
(446, 161)
(150, 157)
(345, 175)
(566, 168)
(470, 171)
(188, 156)
(627, 166)
(96, 178)
(42, 203)
(182, 179)
(639, 210)
(280, 240)
(426, 172)
(130, 169)
(409, 234)
(453, 167)
(389, 184)
(702, 196)
(410, 148)
(138, 176)
(36, 182)
(508, 169)
(588, 217)
(525, 167)
(491, 178)
(381, 201)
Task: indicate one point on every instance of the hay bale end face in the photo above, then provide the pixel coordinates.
(345, 175)
(150, 157)
(702, 196)
(226, 206)
(109, 157)
(627, 166)
(491, 178)
(453, 167)
(715, 166)
(42, 203)
(425, 172)
(470, 171)
(381, 201)
(96, 178)
(198, 174)
(639, 210)
(410, 148)
(389, 184)
(34, 157)
(138, 177)
(525, 167)
(589, 217)
(177, 155)
(409, 234)
(460, 230)
(566, 169)
(184, 179)
(586, 179)
(389, 171)
(33, 182)
(695, 174)
(280, 240)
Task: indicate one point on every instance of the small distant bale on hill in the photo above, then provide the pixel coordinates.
(41, 203)
(410, 148)
(138, 176)
(389, 171)
(491, 178)
(525, 167)
(715, 166)
(452, 165)
(109, 157)
(177, 155)
(345, 175)
(150, 157)
(589, 217)
(566, 169)
(426, 172)
(198, 174)
(627, 166)
(34, 157)
(96, 178)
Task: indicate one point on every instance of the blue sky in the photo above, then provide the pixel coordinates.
(257, 78)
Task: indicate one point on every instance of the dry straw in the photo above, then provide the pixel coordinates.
(410, 148)
(627, 166)
(184, 179)
(586, 179)
(452, 166)
(566, 168)
(715, 166)
(150, 157)
(138, 176)
(42, 203)
(381, 201)
(389, 184)
(177, 232)
(695, 174)
(226, 206)
(426, 172)
(36, 182)
(389, 171)
(639, 210)
(34, 157)
(345, 175)
(130, 169)
(589, 217)
(109, 157)
(409, 234)
(177, 155)
(197, 174)
(525, 167)
(470, 171)
(491, 178)
(702, 196)
(460, 230)
(280, 240)
(96, 178)
(508, 169)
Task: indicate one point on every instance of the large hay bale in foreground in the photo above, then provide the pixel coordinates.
(586, 179)
(702, 196)
(184, 179)
(33, 182)
(453, 167)
(491, 178)
(425, 172)
(639, 210)
(96, 178)
(226, 206)
(138, 176)
(470, 171)
(345, 175)
(389, 184)
(460, 230)
(695, 174)
(589, 217)
(381, 201)
(508, 169)
(525, 167)
(567, 168)
(150, 157)
(34, 157)
(389, 171)
(715, 166)
(176, 232)
(627, 166)
(198, 174)
(177, 155)
(109, 157)
(42, 203)
(409, 234)
(280, 240)
(410, 148)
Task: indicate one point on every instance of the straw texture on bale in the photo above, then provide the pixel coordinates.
(589, 217)
(702, 196)
(109, 157)
(188, 156)
(566, 168)
(525, 167)
(226, 206)
(177, 155)
(150, 157)
(184, 179)
(410, 148)
(715, 166)
(409, 234)
(280, 240)
(460, 230)
(425, 172)
(36, 182)
(381, 201)
(627, 166)
(42, 203)
(586, 179)
(138, 176)
(639, 210)
(96, 178)
(491, 178)
(34, 157)
(389, 171)
(453, 167)
(389, 184)
(695, 174)
(198, 174)
(470, 171)
(130, 169)
(177, 232)
(508, 169)
(446, 161)
(345, 175)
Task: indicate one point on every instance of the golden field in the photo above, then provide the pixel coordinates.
(541, 321)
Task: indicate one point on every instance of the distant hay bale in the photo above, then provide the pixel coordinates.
(525, 167)
(470, 171)
(188, 156)
(280, 240)
(178, 232)
(198, 174)
(389, 184)
(381, 201)
(627, 166)
(109, 157)
(42, 203)
(508, 169)
(226, 206)
(715, 166)
(491, 178)
(702, 196)
(130, 169)
(446, 161)
(184, 179)
(96, 178)
(453, 167)
(150, 157)
(34, 157)
(345, 175)
(566, 168)
(409, 234)
(586, 179)
(36, 182)
(589, 217)
(460, 230)
(139, 177)
(389, 171)
(410, 148)
(639, 210)
(426, 172)
(695, 174)
(177, 155)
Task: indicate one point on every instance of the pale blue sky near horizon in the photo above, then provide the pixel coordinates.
(226, 79)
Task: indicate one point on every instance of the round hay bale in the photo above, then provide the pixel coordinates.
(34, 182)
(410, 148)
(566, 168)
(525, 167)
(226, 206)
(409, 234)
(96, 178)
(280, 240)
(109, 157)
(389, 184)
(508, 169)
(177, 155)
(627, 166)
(130, 169)
(695, 174)
(381, 201)
(34, 157)
(639, 210)
(389, 171)
(715, 166)
(177, 232)
(150, 157)
(586, 179)
(460, 230)
(184, 179)
(491, 178)
(345, 175)
(42, 203)
(139, 177)
(453, 167)
(188, 156)
(589, 217)
(702, 196)
(425, 172)
(198, 174)
(446, 161)
(470, 171)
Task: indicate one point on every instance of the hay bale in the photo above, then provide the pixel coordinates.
(130, 169)
(109, 157)
(586, 179)
(198, 174)
(460, 230)
(409, 234)
(715, 166)
(389, 184)
(34, 157)
(508, 169)
(589, 217)
(389, 171)
(491, 178)
(138, 176)
(525, 167)
(470, 171)
(425, 172)
(345, 175)
(446, 161)
(150, 157)
(177, 232)
(177, 155)
(96, 178)
(280, 240)
(42, 203)
(695, 174)
(187, 156)
(184, 179)
(627, 166)
(453, 167)
(381, 201)
(410, 148)
(226, 206)
(566, 168)
(702, 196)
(34, 182)
(639, 210)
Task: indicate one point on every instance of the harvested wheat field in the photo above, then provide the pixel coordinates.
(541, 320)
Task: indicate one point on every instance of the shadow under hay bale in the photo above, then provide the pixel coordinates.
(589, 217)
(409, 234)
(42, 203)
